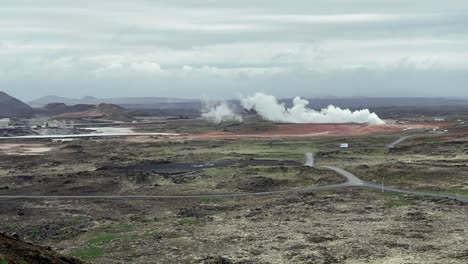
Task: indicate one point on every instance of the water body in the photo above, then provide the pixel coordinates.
(111, 130)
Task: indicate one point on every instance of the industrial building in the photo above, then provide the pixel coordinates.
(4, 122)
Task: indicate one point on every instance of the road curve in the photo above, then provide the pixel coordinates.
(355, 181)
(351, 181)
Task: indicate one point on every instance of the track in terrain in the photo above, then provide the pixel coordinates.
(351, 181)
(355, 181)
(398, 141)
(89, 135)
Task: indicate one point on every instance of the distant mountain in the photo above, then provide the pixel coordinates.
(52, 99)
(101, 112)
(12, 107)
(373, 102)
(117, 101)
(54, 109)
(192, 107)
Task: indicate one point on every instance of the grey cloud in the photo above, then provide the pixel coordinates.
(182, 47)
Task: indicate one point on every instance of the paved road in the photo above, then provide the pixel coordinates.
(351, 181)
(390, 189)
(162, 197)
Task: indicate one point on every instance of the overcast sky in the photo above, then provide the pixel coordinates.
(221, 49)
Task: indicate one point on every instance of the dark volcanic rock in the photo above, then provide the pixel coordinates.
(259, 183)
(215, 260)
(166, 167)
(15, 251)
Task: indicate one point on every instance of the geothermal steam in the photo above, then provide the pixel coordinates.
(268, 107)
(220, 112)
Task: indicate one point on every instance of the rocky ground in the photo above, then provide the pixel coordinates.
(13, 250)
(350, 225)
(343, 226)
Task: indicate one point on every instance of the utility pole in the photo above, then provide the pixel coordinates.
(383, 184)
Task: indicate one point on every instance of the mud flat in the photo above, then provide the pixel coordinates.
(24, 149)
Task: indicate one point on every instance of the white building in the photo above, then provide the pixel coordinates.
(4, 122)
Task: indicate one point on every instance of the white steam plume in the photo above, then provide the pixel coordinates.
(268, 107)
(220, 112)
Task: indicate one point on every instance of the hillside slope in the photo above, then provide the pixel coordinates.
(55, 109)
(101, 111)
(12, 107)
(16, 251)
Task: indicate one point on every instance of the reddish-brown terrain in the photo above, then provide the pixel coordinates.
(305, 130)
(101, 111)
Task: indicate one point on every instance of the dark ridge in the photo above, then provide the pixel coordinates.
(12, 107)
